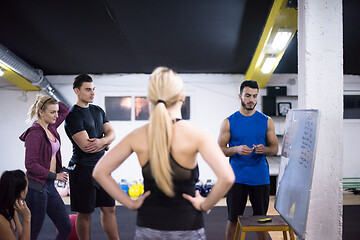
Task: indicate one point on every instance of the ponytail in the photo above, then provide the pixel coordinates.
(160, 130)
(164, 90)
(41, 103)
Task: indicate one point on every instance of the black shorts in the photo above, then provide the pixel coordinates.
(236, 200)
(85, 193)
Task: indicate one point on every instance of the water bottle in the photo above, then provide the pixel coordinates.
(61, 183)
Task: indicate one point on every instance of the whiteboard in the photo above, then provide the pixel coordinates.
(296, 168)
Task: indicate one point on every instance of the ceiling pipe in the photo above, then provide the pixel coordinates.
(35, 76)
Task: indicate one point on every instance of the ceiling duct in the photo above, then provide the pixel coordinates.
(35, 76)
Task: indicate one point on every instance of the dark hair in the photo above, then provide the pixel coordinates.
(79, 80)
(250, 84)
(12, 184)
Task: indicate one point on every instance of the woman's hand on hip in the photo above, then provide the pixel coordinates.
(139, 201)
(195, 201)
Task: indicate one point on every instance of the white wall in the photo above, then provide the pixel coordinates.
(13, 111)
(213, 98)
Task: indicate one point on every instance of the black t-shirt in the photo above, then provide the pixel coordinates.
(91, 120)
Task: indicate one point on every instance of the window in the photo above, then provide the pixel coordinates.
(351, 106)
(118, 108)
(185, 109)
(141, 108)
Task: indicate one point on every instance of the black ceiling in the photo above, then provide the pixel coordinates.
(117, 36)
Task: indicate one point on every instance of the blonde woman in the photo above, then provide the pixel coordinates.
(43, 165)
(166, 149)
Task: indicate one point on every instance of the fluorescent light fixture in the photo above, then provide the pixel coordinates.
(281, 39)
(1, 72)
(268, 64)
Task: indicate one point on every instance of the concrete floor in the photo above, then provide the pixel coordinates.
(348, 199)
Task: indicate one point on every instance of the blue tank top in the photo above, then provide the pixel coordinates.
(249, 130)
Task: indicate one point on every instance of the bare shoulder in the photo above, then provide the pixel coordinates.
(225, 123)
(136, 140)
(191, 130)
(4, 225)
(140, 130)
(3, 219)
(270, 121)
(189, 127)
(138, 135)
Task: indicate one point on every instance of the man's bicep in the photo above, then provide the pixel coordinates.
(270, 134)
(224, 136)
(74, 123)
(81, 139)
(107, 127)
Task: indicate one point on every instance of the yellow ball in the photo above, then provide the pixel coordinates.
(141, 187)
(134, 191)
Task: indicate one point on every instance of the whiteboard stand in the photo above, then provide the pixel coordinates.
(296, 168)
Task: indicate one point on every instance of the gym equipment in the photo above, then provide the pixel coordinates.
(73, 234)
(134, 191)
(141, 187)
(62, 189)
(68, 188)
(199, 187)
(207, 187)
(124, 186)
(204, 189)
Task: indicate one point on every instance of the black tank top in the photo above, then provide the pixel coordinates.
(170, 213)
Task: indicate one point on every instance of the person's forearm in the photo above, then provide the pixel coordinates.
(26, 226)
(229, 151)
(271, 150)
(108, 138)
(218, 191)
(63, 112)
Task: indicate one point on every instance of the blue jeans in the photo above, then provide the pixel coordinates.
(48, 202)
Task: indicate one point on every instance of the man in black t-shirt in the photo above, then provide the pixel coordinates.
(91, 134)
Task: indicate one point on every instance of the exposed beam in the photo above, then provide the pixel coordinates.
(17, 79)
(21, 74)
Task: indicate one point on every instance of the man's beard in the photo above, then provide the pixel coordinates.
(249, 109)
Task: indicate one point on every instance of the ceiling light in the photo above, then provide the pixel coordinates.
(279, 29)
(268, 64)
(281, 39)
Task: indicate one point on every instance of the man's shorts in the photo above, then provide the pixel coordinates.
(237, 196)
(85, 193)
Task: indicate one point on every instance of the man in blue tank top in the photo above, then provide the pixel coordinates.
(247, 136)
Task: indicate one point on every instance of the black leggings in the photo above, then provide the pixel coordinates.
(237, 197)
